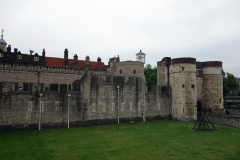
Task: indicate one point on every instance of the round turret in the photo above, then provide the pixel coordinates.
(212, 84)
(183, 84)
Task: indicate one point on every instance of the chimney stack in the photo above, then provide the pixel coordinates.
(75, 57)
(99, 64)
(87, 66)
(15, 50)
(9, 49)
(66, 57)
(43, 52)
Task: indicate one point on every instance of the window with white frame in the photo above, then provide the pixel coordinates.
(19, 56)
(36, 58)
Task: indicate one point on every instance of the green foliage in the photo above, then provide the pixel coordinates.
(149, 140)
(229, 83)
(150, 74)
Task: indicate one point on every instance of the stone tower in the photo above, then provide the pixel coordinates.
(212, 84)
(183, 84)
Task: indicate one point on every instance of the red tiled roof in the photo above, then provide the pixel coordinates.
(59, 63)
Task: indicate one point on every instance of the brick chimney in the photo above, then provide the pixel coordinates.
(87, 65)
(99, 64)
(9, 49)
(43, 52)
(15, 50)
(66, 57)
(75, 57)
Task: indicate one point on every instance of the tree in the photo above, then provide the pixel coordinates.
(229, 83)
(150, 74)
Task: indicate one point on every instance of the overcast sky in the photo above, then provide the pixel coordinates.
(208, 30)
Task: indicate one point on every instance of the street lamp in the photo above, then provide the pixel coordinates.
(118, 104)
(143, 107)
(69, 95)
(40, 112)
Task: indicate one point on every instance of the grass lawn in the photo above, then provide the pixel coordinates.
(149, 140)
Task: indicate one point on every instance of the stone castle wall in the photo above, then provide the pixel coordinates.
(96, 101)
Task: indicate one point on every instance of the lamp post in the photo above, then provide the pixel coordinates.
(144, 107)
(69, 95)
(118, 105)
(40, 112)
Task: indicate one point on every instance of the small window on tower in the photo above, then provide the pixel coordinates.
(182, 68)
(193, 86)
(134, 71)
(183, 86)
(120, 71)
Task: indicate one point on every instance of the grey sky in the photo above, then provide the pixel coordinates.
(208, 30)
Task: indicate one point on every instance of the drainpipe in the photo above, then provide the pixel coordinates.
(40, 112)
(118, 105)
(69, 95)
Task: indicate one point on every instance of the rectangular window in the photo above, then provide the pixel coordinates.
(120, 71)
(220, 100)
(163, 89)
(193, 86)
(134, 71)
(183, 86)
(19, 56)
(1, 55)
(197, 72)
(182, 68)
(36, 58)
(25, 86)
(113, 93)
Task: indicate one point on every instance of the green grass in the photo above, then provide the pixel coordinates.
(150, 140)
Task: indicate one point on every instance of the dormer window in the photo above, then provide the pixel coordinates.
(19, 56)
(1, 55)
(36, 58)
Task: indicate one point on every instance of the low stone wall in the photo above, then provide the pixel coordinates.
(224, 119)
(95, 122)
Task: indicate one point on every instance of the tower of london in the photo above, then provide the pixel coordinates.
(36, 89)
